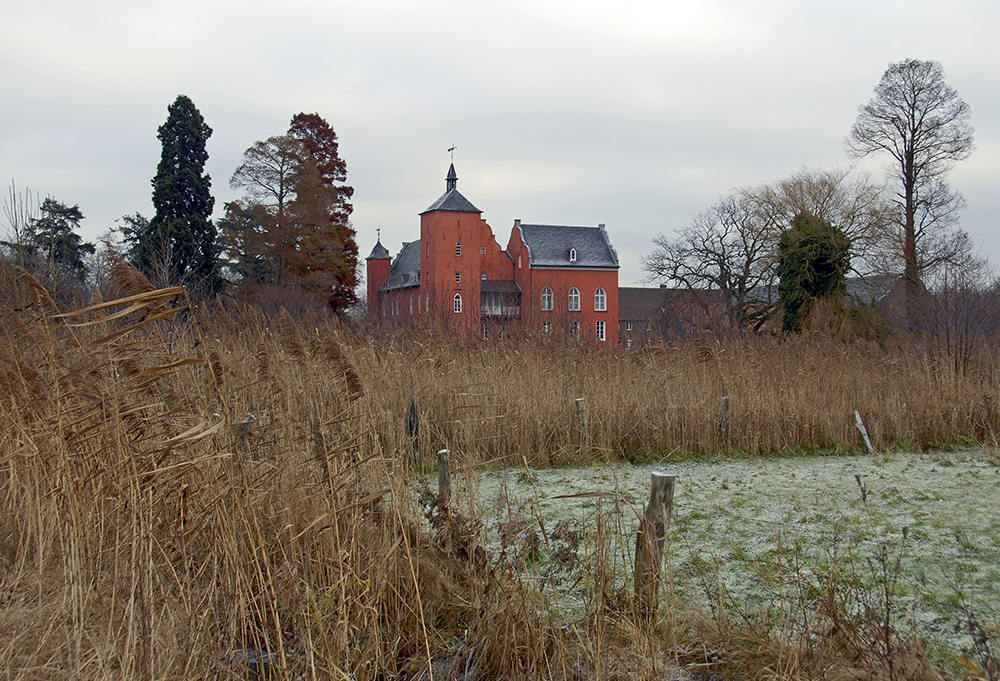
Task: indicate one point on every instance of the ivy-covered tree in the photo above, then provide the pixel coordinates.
(813, 260)
(179, 242)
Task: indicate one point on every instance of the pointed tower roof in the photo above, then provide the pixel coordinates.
(380, 252)
(452, 201)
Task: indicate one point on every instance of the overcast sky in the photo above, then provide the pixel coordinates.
(636, 114)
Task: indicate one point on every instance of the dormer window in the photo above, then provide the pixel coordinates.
(572, 255)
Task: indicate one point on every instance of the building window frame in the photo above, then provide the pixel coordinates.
(572, 255)
(548, 299)
(458, 249)
(458, 277)
(574, 299)
(458, 303)
(600, 299)
(602, 331)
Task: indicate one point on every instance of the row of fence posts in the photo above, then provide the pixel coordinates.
(655, 521)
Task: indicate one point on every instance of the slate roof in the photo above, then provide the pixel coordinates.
(645, 304)
(499, 286)
(379, 252)
(549, 246)
(452, 201)
(640, 303)
(405, 268)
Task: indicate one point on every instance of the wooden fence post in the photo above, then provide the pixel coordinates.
(413, 431)
(444, 476)
(864, 433)
(581, 416)
(724, 423)
(649, 541)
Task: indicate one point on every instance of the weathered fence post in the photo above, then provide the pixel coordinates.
(444, 477)
(413, 431)
(581, 417)
(864, 433)
(649, 541)
(724, 423)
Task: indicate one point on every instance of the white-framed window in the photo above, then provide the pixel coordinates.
(411, 303)
(547, 298)
(518, 261)
(547, 327)
(482, 250)
(575, 329)
(628, 342)
(458, 277)
(572, 255)
(458, 303)
(601, 332)
(601, 300)
(628, 326)
(427, 302)
(574, 299)
(458, 249)
(484, 276)
(486, 330)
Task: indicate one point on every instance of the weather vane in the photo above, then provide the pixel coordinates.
(451, 150)
(378, 233)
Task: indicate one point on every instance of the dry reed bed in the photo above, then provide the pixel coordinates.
(176, 494)
(515, 400)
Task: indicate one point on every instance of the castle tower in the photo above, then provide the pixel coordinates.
(378, 267)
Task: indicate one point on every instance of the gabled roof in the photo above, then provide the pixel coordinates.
(452, 201)
(405, 270)
(550, 245)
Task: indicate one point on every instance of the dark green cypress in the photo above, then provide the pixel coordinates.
(180, 242)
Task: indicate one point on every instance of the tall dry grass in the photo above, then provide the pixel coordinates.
(191, 494)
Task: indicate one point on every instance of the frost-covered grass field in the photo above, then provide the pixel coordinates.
(758, 536)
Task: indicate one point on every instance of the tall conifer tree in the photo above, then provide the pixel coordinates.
(179, 245)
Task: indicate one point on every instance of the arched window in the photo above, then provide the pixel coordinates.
(458, 249)
(546, 298)
(572, 255)
(574, 299)
(601, 300)
(458, 303)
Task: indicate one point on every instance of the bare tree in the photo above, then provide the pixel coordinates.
(729, 250)
(924, 125)
(21, 213)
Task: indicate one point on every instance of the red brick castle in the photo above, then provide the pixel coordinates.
(550, 278)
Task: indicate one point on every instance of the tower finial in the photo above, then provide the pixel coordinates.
(452, 180)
